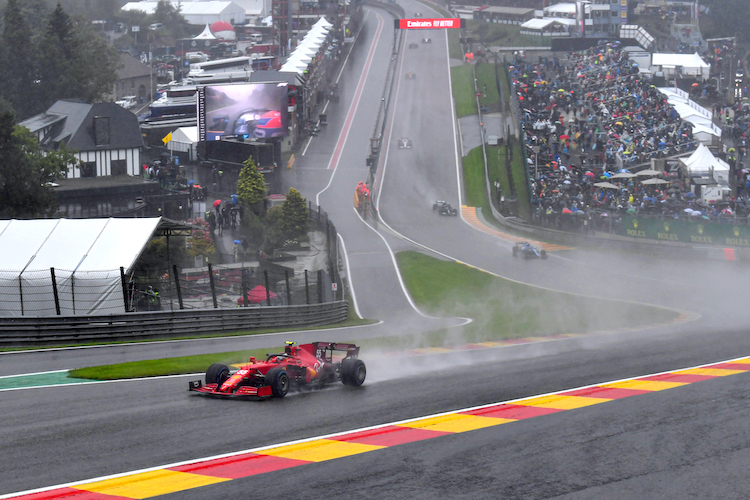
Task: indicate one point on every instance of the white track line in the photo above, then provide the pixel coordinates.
(344, 134)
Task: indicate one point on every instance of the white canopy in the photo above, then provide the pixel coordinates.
(291, 68)
(703, 163)
(323, 22)
(688, 64)
(314, 37)
(299, 60)
(206, 34)
(86, 255)
(306, 50)
(704, 130)
(185, 139)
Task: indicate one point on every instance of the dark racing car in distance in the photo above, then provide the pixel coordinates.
(305, 366)
(527, 251)
(404, 143)
(444, 208)
(413, 45)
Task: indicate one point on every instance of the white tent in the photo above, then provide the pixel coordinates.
(305, 50)
(685, 64)
(206, 34)
(702, 163)
(319, 30)
(314, 37)
(323, 22)
(299, 61)
(86, 255)
(185, 140)
(291, 68)
(704, 129)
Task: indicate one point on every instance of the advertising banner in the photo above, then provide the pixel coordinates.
(701, 232)
(408, 24)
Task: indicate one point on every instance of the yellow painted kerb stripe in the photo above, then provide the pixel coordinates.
(319, 450)
(150, 484)
(561, 402)
(455, 423)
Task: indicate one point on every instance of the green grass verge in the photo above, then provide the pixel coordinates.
(520, 180)
(167, 366)
(487, 84)
(504, 309)
(496, 168)
(462, 80)
(474, 180)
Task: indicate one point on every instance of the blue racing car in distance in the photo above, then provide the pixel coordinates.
(527, 251)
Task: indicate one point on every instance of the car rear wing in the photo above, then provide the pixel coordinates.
(325, 350)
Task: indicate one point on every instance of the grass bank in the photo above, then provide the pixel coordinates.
(504, 309)
(168, 366)
(474, 180)
(462, 80)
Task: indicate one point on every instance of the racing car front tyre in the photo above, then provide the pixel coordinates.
(353, 372)
(278, 379)
(543, 254)
(217, 374)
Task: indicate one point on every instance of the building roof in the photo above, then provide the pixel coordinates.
(673, 60)
(516, 11)
(187, 8)
(565, 8)
(538, 24)
(77, 123)
(131, 68)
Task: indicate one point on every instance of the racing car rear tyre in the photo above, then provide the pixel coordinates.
(353, 372)
(278, 379)
(217, 374)
(543, 254)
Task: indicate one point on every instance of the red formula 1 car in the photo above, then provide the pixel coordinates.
(307, 365)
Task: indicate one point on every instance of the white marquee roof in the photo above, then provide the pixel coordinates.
(92, 250)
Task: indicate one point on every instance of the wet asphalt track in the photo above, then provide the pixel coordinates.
(689, 442)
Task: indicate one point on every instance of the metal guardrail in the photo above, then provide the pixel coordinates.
(63, 330)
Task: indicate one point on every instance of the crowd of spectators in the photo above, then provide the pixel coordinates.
(590, 124)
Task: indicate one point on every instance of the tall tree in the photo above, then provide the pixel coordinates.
(18, 86)
(74, 62)
(294, 221)
(26, 171)
(251, 186)
(172, 19)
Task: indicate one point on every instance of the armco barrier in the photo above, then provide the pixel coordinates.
(66, 330)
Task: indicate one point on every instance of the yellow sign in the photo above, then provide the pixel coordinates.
(291, 162)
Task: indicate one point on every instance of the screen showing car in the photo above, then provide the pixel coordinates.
(247, 111)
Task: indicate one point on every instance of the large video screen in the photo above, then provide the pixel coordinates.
(247, 111)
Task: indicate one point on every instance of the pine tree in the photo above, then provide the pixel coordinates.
(74, 62)
(251, 186)
(294, 221)
(17, 85)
